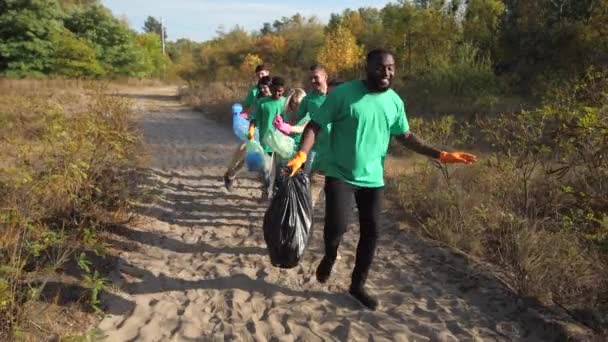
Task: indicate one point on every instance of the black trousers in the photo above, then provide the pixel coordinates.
(338, 206)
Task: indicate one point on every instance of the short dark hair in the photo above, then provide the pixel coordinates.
(375, 53)
(261, 67)
(264, 81)
(277, 81)
(317, 67)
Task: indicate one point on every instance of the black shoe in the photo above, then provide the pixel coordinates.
(228, 182)
(324, 270)
(364, 298)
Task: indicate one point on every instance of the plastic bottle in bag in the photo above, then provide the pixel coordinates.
(255, 159)
(288, 220)
(240, 125)
(280, 143)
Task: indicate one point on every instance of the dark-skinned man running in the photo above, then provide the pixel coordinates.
(364, 114)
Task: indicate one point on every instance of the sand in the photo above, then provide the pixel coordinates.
(195, 267)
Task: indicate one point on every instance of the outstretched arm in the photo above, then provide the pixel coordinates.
(416, 144)
(286, 128)
(411, 141)
(300, 128)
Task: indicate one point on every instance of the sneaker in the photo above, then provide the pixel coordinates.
(228, 183)
(363, 298)
(324, 270)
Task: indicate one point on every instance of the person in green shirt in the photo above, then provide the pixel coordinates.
(290, 118)
(318, 82)
(252, 95)
(364, 114)
(266, 110)
(238, 159)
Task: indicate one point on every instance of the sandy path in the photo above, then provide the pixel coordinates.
(196, 268)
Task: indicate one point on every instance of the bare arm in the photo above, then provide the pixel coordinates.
(299, 128)
(415, 144)
(309, 137)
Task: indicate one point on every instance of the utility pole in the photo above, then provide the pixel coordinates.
(162, 35)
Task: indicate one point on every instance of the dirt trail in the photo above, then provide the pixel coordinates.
(196, 268)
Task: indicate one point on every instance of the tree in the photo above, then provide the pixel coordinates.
(115, 44)
(266, 29)
(340, 53)
(154, 62)
(26, 30)
(152, 25)
(482, 24)
(249, 63)
(74, 57)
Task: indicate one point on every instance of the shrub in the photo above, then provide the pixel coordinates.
(66, 172)
(536, 206)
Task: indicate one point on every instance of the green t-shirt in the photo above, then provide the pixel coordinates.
(297, 137)
(266, 110)
(251, 98)
(362, 125)
(310, 104)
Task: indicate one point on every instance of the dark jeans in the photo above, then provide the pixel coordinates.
(338, 199)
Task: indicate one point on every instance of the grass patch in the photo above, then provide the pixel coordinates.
(68, 166)
(534, 206)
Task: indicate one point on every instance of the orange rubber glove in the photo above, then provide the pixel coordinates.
(251, 132)
(296, 163)
(457, 157)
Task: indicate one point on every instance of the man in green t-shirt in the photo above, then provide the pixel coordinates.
(310, 104)
(250, 101)
(266, 110)
(254, 94)
(364, 114)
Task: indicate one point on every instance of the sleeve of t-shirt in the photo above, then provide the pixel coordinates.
(303, 120)
(400, 126)
(329, 111)
(256, 110)
(249, 100)
(302, 109)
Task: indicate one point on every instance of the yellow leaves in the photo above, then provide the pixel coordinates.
(354, 23)
(272, 47)
(340, 53)
(250, 62)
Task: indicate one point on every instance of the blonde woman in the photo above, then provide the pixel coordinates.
(289, 114)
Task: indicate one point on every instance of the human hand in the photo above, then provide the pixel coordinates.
(296, 163)
(251, 132)
(457, 157)
(281, 125)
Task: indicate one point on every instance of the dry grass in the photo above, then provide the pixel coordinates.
(67, 170)
(215, 98)
(512, 213)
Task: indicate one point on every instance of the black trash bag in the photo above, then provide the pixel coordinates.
(288, 220)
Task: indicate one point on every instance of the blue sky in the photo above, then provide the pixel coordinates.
(200, 19)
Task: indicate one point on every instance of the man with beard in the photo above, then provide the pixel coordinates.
(364, 114)
(310, 104)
